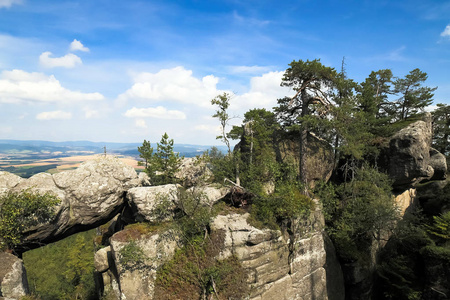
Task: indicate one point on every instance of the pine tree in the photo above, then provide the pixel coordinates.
(310, 80)
(165, 161)
(414, 96)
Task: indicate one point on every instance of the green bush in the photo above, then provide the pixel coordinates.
(21, 210)
(195, 271)
(285, 203)
(358, 212)
(131, 256)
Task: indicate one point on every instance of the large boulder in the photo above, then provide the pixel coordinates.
(193, 171)
(152, 250)
(159, 203)
(409, 157)
(13, 278)
(90, 195)
(153, 203)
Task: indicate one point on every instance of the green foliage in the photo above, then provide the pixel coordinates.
(196, 272)
(194, 215)
(223, 102)
(162, 165)
(414, 97)
(20, 211)
(146, 153)
(440, 229)
(400, 268)
(287, 202)
(358, 212)
(131, 256)
(63, 270)
(441, 128)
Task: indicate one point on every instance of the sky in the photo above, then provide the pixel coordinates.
(125, 71)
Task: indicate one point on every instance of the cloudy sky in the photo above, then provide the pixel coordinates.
(124, 71)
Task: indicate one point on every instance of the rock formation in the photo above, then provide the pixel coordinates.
(410, 159)
(13, 279)
(90, 196)
(281, 265)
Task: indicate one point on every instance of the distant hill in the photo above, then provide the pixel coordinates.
(71, 147)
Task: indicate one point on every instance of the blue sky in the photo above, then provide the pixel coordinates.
(125, 71)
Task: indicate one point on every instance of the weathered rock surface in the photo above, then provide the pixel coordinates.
(319, 157)
(153, 203)
(158, 203)
(281, 266)
(13, 280)
(193, 172)
(410, 158)
(90, 195)
(136, 283)
(8, 181)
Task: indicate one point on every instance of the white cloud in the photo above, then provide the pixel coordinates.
(18, 86)
(176, 84)
(6, 129)
(76, 45)
(155, 112)
(8, 3)
(67, 61)
(446, 32)
(91, 114)
(140, 123)
(54, 115)
(264, 92)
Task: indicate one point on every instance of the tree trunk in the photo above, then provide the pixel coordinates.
(303, 143)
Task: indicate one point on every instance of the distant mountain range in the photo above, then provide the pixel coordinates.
(37, 146)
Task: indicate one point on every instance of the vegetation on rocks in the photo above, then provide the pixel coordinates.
(20, 211)
(63, 270)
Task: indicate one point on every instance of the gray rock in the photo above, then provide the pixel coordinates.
(281, 265)
(438, 162)
(193, 171)
(90, 195)
(154, 203)
(101, 259)
(157, 247)
(210, 194)
(13, 278)
(8, 181)
(407, 159)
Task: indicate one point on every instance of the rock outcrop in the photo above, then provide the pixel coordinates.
(281, 265)
(137, 281)
(13, 279)
(90, 195)
(288, 264)
(410, 159)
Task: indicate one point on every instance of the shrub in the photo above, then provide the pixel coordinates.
(131, 256)
(195, 271)
(285, 203)
(22, 210)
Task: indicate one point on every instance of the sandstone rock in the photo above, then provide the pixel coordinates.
(407, 159)
(438, 162)
(319, 157)
(90, 195)
(8, 181)
(139, 283)
(153, 203)
(280, 265)
(13, 278)
(102, 258)
(193, 172)
(211, 194)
